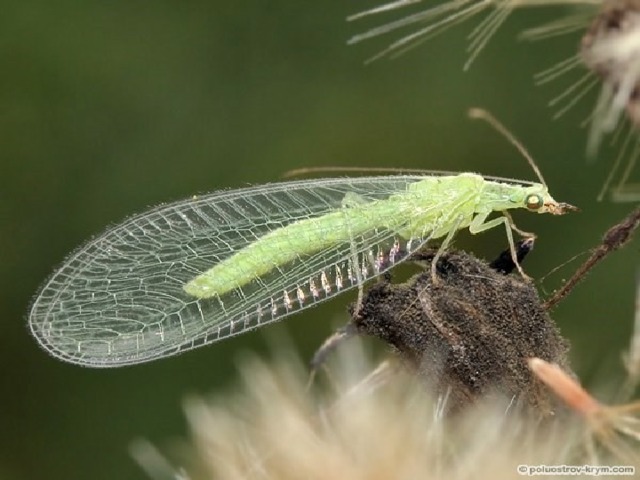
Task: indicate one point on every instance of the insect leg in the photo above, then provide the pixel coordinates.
(352, 199)
(328, 346)
(479, 224)
(516, 229)
(443, 247)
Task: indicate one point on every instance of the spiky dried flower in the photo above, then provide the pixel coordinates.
(274, 429)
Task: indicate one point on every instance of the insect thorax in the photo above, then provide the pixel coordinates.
(436, 205)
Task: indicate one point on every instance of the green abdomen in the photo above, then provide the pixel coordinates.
(284, 245)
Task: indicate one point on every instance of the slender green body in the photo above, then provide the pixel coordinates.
(196, 271)
(434, 205)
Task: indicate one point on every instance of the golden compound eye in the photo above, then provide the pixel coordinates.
(533, 201)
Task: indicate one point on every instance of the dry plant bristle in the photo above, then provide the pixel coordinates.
(631, 358)
(617, 428)
(444, 15)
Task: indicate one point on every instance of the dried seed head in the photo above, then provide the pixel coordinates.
(468, 333)
(611, 49)
(611, 45)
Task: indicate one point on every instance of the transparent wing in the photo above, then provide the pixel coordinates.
(119, 299)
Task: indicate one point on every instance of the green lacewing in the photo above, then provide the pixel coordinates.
(193, 272)
(196, 271)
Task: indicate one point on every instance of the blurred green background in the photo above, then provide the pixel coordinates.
(107, 108)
